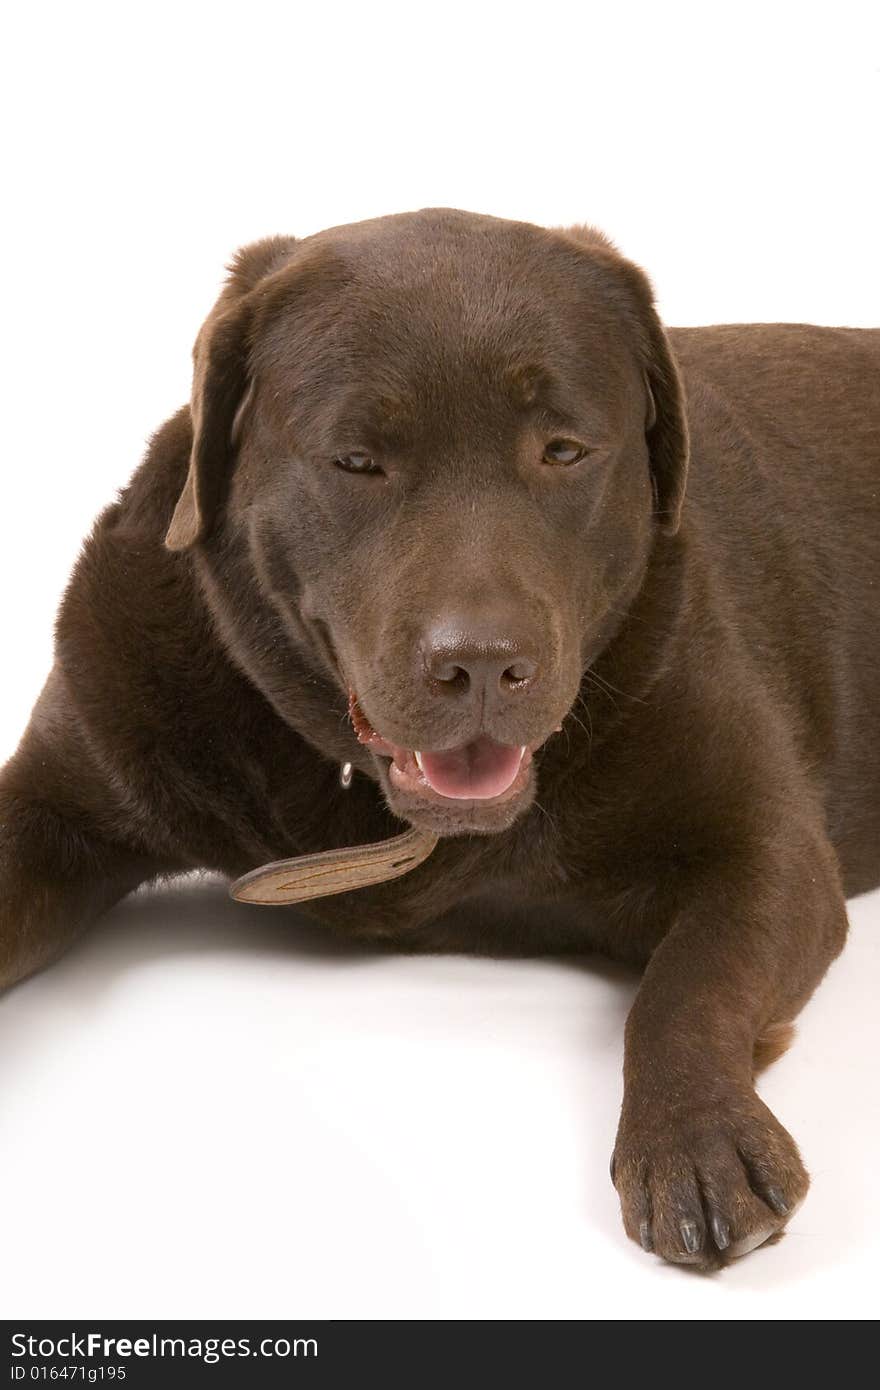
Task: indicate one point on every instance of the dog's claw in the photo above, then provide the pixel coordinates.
(645, 1238)
(691, 1236)
(720, 1232)
(776, 1200)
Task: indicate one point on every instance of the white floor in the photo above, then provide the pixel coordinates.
(213, 1111)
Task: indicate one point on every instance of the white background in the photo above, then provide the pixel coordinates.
(208, 1111)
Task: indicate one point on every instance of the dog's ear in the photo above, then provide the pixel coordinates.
(666, 429)
(220, 388)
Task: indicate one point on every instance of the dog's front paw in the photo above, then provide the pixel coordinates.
(703, 1185)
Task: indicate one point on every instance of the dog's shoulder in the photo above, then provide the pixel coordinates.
(145, 505)
(130, 604)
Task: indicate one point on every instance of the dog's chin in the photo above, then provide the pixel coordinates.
(411, 798)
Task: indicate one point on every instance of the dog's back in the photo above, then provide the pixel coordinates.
(784, 491)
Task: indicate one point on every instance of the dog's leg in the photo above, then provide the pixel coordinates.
(58, 871)
(703, 1169)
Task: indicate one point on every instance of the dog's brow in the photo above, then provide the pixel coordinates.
(377, 419)
(366, 429)
(536, 394)
(551, 417)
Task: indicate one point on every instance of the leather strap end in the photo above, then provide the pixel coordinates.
(333, 871)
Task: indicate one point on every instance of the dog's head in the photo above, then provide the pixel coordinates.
(439, 448)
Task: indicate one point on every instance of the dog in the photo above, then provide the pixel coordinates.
(587, 602)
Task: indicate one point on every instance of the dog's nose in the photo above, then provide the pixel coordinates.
(476, 661)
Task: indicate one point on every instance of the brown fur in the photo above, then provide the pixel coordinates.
(695, 603)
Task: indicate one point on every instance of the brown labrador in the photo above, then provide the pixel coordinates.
(426, 518)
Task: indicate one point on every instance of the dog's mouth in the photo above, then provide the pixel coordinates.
(479, 771)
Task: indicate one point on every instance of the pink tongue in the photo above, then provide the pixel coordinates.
(478, 770)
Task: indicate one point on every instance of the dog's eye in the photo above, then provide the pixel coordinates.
(357, 463)
(565, 452)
